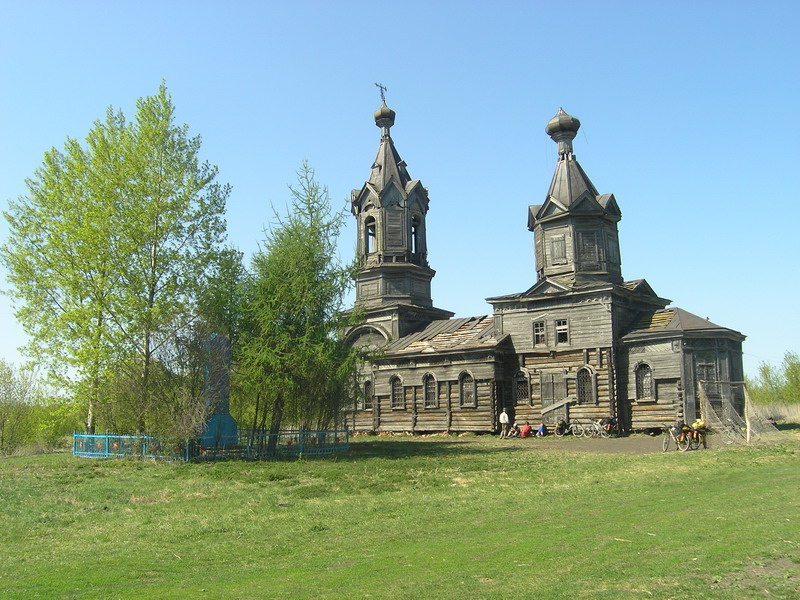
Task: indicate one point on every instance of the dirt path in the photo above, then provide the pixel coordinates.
(633, 444)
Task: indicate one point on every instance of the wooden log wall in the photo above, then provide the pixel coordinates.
(664, 357)
(565, 366)
(449, 415)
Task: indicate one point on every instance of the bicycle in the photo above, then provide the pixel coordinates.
(563, 428)
(606, 427)
(697, 436)
(681, 439)
(594, 429)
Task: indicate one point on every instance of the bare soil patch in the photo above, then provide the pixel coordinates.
(633, 444)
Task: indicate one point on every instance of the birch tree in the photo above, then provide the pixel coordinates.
(109, 250)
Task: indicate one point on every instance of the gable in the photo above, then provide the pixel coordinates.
(609, 204)
(550, 208)
(585, 203)
(391, 195)
(547, 286)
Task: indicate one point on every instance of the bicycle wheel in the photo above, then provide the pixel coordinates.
(603, 431)
(683, 443)
(578, 430)
(665, 442)
(590, 431)
(694, 441)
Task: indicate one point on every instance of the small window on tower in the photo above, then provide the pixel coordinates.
(415, 235)
(558, 250)
(369, 235)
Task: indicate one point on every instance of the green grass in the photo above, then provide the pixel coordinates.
(407, 518)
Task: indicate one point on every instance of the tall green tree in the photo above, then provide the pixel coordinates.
(297, 368)
(18, 394)
(109, 251)
(777, 384)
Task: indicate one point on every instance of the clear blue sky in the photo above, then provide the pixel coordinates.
(688, 113)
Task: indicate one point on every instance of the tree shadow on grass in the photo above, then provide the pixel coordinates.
(788, 426)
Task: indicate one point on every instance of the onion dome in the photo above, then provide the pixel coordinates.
(384, 118)
(563, 128)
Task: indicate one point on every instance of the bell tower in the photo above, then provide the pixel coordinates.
(394, 284)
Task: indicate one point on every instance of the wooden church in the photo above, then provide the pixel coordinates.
(581, 343)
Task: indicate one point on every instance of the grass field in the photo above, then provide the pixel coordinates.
(439, 517)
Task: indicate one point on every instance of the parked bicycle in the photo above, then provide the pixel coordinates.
(697, 435)
(605, 427)
(593, 430)
(677, 434)
(574, 428)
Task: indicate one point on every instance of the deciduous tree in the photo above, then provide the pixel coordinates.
(109, 251)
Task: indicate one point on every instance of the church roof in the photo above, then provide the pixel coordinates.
(448, 335)
(671, 321)
(570, 189)
(570, 182)
(388, 169)
(388, 165)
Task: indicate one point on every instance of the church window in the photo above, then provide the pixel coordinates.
(585, 386)
(431, 399)
(369, 235)
(415, 235)
(466, 391)
(367, 396)
(558, 250)
(644, 382)
(552, 388)
(539, 336)
(398, 398)
(588, 251)
(562, 331)
(522, 389)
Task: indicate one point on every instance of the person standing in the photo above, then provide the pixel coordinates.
(503, 424)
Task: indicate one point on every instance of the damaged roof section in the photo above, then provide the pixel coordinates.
(448, 335)
(668, 322)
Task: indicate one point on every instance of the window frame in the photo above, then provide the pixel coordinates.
(369, 395)
(558, 250)
(640, 379)
(585, 386)
(397, 394)
(521, 379)
(467, 387)
(370, 235)
(562, 329)
(430, 401)
(539, 337)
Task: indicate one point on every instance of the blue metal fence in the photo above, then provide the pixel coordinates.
(247, 445)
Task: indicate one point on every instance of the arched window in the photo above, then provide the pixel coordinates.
(522, 389)
(369, 235)
(398, 399)
(429, 385)
(368, 395)
(585, 384)
(466, 391)
(644, 382)
(415, 235)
